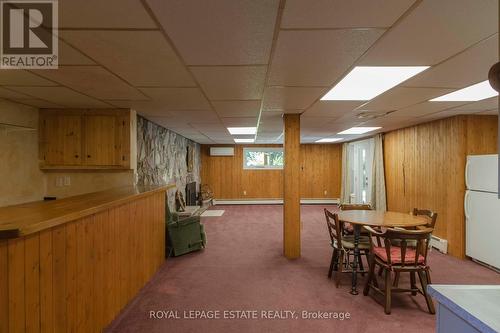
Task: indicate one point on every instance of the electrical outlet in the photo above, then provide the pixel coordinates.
(325, 192)
(244, 192)
(67, 180)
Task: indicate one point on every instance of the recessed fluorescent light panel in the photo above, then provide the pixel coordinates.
(359, 130)
(327, 140)
(244, 140)
(473, 93)
(242, 130)
(366, 82)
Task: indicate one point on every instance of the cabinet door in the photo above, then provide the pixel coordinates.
(101, 141)
(123, 140)
(62, 139)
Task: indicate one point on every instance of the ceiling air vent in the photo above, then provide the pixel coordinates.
(367, 115)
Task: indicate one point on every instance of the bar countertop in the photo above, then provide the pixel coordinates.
(477, 305)
(24, 219)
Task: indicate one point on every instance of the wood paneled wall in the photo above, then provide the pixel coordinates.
(78, 276)
(320, 172)
(425, 166)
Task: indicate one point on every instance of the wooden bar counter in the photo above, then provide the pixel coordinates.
(71, 265)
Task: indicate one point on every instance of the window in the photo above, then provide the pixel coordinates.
(263, 158)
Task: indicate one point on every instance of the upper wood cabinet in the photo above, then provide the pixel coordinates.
(85, 138)
(62, 139)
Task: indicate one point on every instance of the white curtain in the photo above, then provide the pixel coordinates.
(345, 192)
(378, 198)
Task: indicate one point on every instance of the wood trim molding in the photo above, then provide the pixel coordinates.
(26, 219)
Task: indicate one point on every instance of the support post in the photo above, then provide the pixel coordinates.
(291, 186)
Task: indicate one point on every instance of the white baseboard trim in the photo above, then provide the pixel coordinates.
(320, 201)
(273, 201)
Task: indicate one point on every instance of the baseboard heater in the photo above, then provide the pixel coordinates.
(439, 244)
(274, 201)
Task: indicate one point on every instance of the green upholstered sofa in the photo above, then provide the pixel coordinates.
(184, 234)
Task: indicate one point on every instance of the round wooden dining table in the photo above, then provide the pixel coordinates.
(374, 218)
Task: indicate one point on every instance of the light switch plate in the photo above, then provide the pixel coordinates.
(67, 180)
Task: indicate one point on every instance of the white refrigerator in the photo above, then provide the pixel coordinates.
(482, 209)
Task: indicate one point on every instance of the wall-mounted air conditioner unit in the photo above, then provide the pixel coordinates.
(221, 151)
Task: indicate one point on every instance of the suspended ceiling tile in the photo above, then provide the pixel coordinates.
(222, 32)
(331, 108)
(269, 135)
(464, 69)
(401, 97)
(210, 127)
(206, 116)
(318, 133)
(70, 56)
(425, 108)
(144, 108)
(9, 94)
(185, 131)
(316, 122)
(434, 31)
(219, 136)
(60, 95)
(270, 127)
(341, 13)
(485, 104)
(143, 58)
(271, 121)
(103, 14)
(318, 57)
(389, 121)
(442, 115)
(237, 108)
(290, 98)
(94, 81)
(194, 136)
(240, 122)
(205, 141)
(489, 113)
(224, 141)
(178, 98)
(231, 82)
(162, 121)
(17, 77)
(39, 103)
(343, 123)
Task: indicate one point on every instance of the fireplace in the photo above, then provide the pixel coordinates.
(191, 194)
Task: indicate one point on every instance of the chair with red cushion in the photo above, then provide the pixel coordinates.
(431, 218)
(400, 259)
(343, 246)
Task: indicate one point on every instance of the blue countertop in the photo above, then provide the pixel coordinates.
(478, 305)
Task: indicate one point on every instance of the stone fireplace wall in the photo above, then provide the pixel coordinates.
(162, 158)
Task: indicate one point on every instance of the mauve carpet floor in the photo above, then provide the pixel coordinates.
(243, 268)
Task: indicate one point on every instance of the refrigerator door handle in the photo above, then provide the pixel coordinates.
(466, 200)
